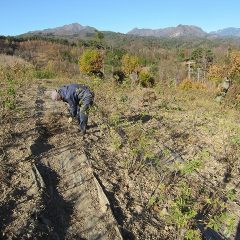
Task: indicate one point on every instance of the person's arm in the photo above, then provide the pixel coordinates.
(67, 96)
(72, 108)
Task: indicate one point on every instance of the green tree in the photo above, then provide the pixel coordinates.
(202, 57)
(197, 56)
(114, 56)
(180, 55)
(99, 35)
(209, 57)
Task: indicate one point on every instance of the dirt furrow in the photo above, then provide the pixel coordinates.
(19, 191)
(70, 203)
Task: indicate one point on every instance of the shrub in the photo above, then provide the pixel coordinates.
(118, 76)
(146, 79)
(130, 64)
(91, 61)
(234, 66)
(233, 96)
(215, 73)
(12, 77)
(187, 84)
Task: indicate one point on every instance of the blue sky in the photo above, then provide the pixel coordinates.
(20, 16)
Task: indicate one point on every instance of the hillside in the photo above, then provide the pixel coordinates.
(148, 155)
(160, 158)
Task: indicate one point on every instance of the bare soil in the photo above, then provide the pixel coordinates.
(57, 184)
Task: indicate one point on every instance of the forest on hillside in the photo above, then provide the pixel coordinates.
(166, 58)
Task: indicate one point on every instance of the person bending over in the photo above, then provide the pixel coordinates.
(79, 98)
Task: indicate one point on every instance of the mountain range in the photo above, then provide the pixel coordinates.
(180, 31)
(185, 31)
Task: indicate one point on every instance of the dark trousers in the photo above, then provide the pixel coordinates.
(83, 110)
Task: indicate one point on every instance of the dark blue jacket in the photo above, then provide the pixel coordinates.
(75, 95)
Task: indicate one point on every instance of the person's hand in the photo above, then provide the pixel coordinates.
(70, 120)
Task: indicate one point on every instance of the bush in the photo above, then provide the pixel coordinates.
(233, 96)
(216, 73)
(91, 61)
(187, 84)
(130, 64)
(146, 79)
(118, 76)
(11, 78)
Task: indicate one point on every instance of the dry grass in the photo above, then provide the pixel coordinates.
(7, 60)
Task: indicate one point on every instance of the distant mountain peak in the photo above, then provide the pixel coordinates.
(68, 29)
(172, 32)
(76, 27)
(226, 32)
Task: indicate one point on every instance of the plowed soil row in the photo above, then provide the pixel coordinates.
(51, 191)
